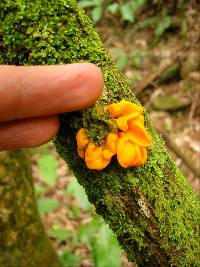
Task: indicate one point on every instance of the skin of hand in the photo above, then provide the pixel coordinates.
(32, 97)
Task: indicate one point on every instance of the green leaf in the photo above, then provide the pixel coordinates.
(137, 61)
(61, 233)
(96, 14)
(95, 225)
(70, 260)
(85, 3)
(118, 52)
(46, 205)
(74, 213)
(106, 251)
(76, 190)
(163, 26)
(120, 57)
(149, 22)
(170, 103)
(113, 8)
(47, 169)
(88, 233)
(137, 56)
(40, 190)
(127, 12)
(121, 63)
(83, 235)
(141, 3)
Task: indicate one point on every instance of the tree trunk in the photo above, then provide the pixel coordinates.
(23, 241)
(152, 210)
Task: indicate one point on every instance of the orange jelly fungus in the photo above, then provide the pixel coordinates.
(82, 142)
(124, 108)
(129, 143)
(129, 153)
(96, 156)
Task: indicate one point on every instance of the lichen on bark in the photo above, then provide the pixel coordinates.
(151, 208)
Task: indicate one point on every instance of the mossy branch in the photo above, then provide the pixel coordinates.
(152, 210)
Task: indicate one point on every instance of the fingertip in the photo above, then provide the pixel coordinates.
(92, 85)
(98, 79)
(96, 75)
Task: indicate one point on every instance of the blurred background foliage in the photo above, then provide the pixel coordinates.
(161, 20)
(92, 234)
(156, 45)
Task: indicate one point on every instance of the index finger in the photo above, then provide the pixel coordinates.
(45, 90)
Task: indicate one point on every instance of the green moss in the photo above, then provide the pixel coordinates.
(152, 209)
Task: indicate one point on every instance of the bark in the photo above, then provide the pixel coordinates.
(152, 209)
(23, 241)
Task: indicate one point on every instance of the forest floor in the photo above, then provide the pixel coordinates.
(166, 78)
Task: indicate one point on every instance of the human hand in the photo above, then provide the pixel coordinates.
(32, 97)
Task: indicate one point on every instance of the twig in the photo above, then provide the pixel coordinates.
(179, 154)
(155, 75)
